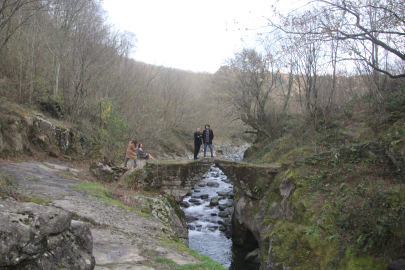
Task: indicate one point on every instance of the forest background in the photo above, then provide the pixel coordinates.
(310, 69)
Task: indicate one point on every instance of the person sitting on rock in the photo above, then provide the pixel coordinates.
(131, 153)
(142, 154)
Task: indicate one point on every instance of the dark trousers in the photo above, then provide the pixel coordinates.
(205, 148)
(196, 150)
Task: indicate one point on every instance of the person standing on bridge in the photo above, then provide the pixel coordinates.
(208, 136)
(197, 142)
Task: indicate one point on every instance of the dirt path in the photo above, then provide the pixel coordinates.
(122, 238)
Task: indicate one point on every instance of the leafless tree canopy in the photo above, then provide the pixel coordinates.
(373, 31)
(317, 60)
(62, 57)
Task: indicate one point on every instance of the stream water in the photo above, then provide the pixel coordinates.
(209, 223)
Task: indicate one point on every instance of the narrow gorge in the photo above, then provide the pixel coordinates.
(335, 209)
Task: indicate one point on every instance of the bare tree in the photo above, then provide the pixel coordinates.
(373, 30)
(249, 80)
(14, 14)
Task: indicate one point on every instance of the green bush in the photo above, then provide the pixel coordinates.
(7, 184)
(111, 132)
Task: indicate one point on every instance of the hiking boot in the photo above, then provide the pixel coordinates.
(135, 166)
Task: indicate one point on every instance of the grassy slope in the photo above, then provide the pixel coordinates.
(349, 201)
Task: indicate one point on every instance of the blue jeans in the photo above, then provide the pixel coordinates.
(205, 148)
(126, 160)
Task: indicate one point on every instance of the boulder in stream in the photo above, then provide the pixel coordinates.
(185, 204)
(222, 193)
(190, 219)
(213, 184)
(253, 256)
(191, 227)
(229, 203)
(214, 201)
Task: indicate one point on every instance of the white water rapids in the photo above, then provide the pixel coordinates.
(208, 226)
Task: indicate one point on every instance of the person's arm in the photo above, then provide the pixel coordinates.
(212, 134)
(195, 135)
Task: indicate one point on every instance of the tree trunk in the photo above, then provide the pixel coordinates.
(57, 77)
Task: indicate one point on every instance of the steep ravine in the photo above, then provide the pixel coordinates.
(209, 207)
(342, 209)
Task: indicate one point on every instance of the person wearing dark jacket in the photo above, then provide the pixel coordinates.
(142, 154)
(197, 143)
(208, 136)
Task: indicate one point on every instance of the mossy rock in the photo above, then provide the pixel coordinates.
(354, 260)
(302, 247)
(295, 154)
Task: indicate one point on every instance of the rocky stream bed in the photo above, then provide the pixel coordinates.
(209, 207)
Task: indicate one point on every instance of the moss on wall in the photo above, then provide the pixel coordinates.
(348, 203)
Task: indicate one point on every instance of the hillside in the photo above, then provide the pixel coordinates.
(28, 131)
(346, 205)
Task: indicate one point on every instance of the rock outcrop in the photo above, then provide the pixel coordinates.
(40, 237)
(230, 151)
(166, 209)
(107, 173)
(26, 132)
(303, 215)
(396, 265)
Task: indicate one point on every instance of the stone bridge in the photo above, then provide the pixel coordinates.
(177, 177)
(260, 196)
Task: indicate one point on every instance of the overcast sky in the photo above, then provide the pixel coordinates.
(187, 34)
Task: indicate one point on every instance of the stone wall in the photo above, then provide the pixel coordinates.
(174, 178)
(177, 178)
